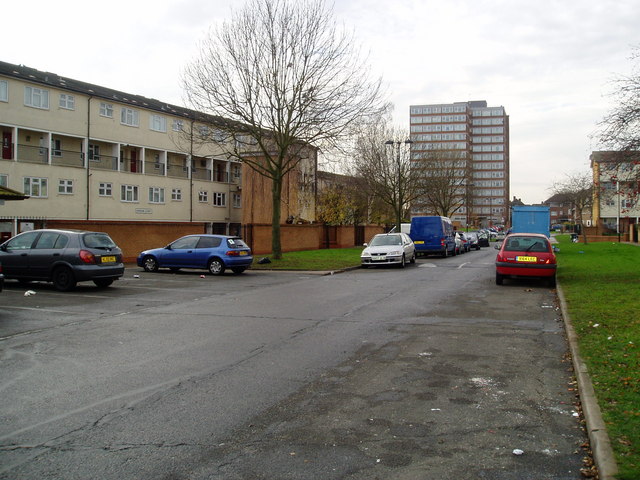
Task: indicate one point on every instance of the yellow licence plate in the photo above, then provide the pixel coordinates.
(526, 259)
(110, 259)
(243, 253)
(419, 242)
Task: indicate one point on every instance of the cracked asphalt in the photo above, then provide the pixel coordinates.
(431, 372)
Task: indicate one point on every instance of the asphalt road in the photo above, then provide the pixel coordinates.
(427, 372)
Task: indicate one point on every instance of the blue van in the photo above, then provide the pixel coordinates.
(433, 235)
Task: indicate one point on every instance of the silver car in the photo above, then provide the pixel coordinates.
(389, 249)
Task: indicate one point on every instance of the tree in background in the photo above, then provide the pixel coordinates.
(382, 159)
(577, 188)
(281, 77)
(444, 180)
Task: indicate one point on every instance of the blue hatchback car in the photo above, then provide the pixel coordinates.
(215, 253)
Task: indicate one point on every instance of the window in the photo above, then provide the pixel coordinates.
(106, 110)
(237, 200)
(129, 193)
(56, 147)
(219, 199)
(177, 125)
(129, 116)
(105, 189)
(4, 180)
(156, 195)
(36, 98)
(67, 101)
(176, 195)
(4, 91)
(203, 196)
(65, 186)
(94, 152)
(158, 123)
(35, 187)
(51, 240)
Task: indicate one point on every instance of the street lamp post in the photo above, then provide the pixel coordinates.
(467, 202)
(400, 200)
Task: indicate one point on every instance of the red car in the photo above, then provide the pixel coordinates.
(526, 255)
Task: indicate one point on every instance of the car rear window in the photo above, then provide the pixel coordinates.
(236, 243)
(98, 240)
(527, 244)
(52, 240)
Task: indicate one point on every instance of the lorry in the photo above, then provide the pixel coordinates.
(530, 219)
(433, 235)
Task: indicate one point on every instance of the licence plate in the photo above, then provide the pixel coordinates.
(243, 253)
(110, 259)
(526, 259)
(379, 258)
(419, 242)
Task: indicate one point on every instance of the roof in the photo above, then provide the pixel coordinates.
(10, 194)
(29, 74)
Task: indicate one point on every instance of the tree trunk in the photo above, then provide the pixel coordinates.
(276, 195)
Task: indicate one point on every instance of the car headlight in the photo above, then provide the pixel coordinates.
(366, 254)
(395, 252)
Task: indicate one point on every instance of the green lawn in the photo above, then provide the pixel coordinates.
(601, 282)
(325, 259)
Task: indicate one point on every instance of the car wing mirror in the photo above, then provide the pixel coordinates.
(497, 245)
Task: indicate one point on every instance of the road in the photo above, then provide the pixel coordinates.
(431, 371)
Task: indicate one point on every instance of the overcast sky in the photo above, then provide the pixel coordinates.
(550, 63)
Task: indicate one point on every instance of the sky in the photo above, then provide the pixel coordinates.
(550, 63)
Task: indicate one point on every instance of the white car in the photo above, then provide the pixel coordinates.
(389, 249)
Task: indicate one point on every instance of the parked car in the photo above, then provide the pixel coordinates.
(389, 249)
(465, 240)
(433, 235)
(472, 240)
(215, 253)
(64, 257)
(526, 255)
(483, 238)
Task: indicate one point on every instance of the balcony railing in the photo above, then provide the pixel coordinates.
(201, 174)
(154, 168)
(177, 171)
(221, 176)
(67, 158)
(130, 165)
(103, 162)
(33, 154)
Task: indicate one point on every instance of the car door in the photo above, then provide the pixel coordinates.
(205, 249)
(14, 255)
(46, 251)
(180, 253)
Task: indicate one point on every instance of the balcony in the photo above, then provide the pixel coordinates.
(67, 158)
(201, 174)
(130, 165)
(103, 162)
(177, 171)
(33, 154)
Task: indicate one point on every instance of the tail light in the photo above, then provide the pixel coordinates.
(233, 253)
(442, 244)
(87, 257)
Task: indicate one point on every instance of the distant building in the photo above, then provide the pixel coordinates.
(561, 209)
(479, 136)
(616, 192)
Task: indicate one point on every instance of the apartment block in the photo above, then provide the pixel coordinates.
(476, 138)
(90, 155)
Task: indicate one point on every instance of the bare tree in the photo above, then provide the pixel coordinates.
(444, 180)
(287, 79)
(382, 159)
(577, 189)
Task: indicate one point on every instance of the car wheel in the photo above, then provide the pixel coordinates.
(445, 254)
(63, 279)
(150, 264)
(238, 270)
(215, 266)
(552, 281)
(403, 261)
(499, 279)
(413, 258)
(103, 282)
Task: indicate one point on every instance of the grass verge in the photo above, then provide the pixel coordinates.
(326, 259)
(601, 282)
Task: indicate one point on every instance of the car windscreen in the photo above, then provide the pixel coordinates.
(381, 240)
(236, 243)
(98, 240)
